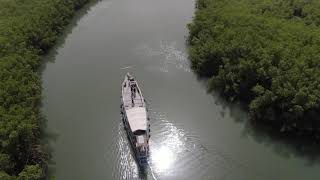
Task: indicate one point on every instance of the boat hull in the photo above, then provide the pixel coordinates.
(135, 119)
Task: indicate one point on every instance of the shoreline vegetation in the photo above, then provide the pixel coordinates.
(265, 54)
(28, 29)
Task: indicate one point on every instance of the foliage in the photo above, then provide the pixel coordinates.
(31, 172)
(5, 176)
(28, 28)
(265, 53)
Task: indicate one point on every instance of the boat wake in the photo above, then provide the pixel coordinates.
(174, 154)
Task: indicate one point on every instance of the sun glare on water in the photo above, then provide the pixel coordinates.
(162, 158)
(166, 148)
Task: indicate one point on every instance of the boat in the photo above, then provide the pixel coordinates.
(135, 118)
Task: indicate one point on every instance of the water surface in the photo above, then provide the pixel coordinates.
(194, 134)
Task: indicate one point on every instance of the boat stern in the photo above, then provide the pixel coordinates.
(142, 150)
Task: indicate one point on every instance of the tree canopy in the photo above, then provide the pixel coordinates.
(28, 28)
(265, 53)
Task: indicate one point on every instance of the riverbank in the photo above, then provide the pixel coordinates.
(265, 54)
(27, 30)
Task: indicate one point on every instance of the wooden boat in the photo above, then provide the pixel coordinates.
(135, 118)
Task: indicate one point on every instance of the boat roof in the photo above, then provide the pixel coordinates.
(137, 118)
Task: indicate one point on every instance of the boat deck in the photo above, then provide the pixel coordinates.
(132, 98)
(134, 104)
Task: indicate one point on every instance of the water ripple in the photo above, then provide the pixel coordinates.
(174, 154)
(170, 56)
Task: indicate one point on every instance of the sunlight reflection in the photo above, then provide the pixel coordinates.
(163, 158)
(166, 148)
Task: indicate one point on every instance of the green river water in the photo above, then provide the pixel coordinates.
(195, 135)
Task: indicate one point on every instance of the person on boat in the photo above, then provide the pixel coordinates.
(133, 90)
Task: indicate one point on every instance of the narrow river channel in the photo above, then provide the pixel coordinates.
(195, 135)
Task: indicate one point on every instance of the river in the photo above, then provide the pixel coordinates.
(195, 135)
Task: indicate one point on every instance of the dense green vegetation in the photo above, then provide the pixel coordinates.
(265, 53)
(27, 29)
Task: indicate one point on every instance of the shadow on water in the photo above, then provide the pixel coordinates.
(51, 55)
(49, 137)
(285, 145)
(238, 110)
(142, 172)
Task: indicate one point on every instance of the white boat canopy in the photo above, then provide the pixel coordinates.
(137, 117)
